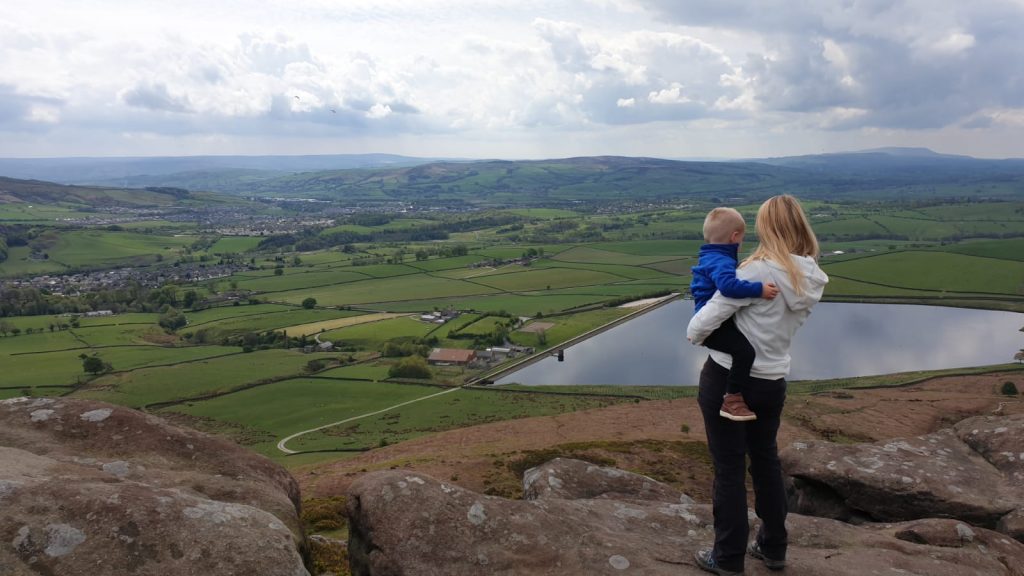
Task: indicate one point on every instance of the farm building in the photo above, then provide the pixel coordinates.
(456, 356)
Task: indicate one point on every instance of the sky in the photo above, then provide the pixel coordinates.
(516, 80)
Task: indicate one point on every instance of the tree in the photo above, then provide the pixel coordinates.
(278, 271)
(309, 303)
(190, 298)
(94, 365)
(172, 319)
(410, 367)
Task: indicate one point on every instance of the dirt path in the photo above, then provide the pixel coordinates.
(282, 445)
(477, 457)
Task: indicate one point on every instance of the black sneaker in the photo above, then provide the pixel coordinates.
(754, 549)
(706, 561)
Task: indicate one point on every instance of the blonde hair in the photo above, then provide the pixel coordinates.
(783, 230)
(720, 223)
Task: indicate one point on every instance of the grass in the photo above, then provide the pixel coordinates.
(235, 244)
(64, 367)
(937, 271)
(384, 290)
(283, 408)
(594, 255)
(546, 278)
(296, 278)
(325, 325)
(373, 335)
(148, 385)
(281, 320)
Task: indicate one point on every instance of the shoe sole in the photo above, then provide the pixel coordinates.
(768, 562)
(736, 418)
(714, 570)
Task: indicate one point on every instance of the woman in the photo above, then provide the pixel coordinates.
(786, 256)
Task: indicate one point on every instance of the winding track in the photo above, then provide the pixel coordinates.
(281, 445)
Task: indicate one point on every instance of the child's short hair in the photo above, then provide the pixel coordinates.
(720, 223)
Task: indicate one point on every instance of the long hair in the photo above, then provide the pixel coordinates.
(782, 230)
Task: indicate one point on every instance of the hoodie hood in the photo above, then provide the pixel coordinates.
(814, 281)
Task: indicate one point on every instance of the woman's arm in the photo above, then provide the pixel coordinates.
(720, 308)
(712, 315)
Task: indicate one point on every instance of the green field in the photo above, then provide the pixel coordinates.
(214, 375)
(918, 253)
(235, 244)
(276, 410)
(299, 278)
(64, 367)
(546, 279)
(373, 334)
(935, 271)
(383, 290)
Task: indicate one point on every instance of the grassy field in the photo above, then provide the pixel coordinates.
(373, 335)
(64, 367)
(935, 271)
(384, 290)
(214, 375)
(326, 325)
(276, 410)
(913, 254)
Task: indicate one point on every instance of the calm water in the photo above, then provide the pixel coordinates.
(838, 340)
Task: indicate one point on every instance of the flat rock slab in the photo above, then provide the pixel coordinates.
(92, 489)
(972, 472)
(405, 523)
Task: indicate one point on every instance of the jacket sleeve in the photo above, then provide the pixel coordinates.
(712, 315)
(718, 310)
(729, 285)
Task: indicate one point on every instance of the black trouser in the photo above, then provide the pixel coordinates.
(730, 442)
(727, 338)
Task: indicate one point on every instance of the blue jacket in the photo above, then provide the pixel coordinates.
(716, 270)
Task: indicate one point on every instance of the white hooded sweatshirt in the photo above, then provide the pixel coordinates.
(769, 325)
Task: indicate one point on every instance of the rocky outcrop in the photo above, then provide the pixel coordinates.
(88, 488)
(973, 472)
(584, 519)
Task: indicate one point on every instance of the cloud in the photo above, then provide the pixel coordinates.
(907, 64)
(155, 97)
(594, 73)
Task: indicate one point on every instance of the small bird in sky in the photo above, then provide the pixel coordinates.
(297, 98)
(333, 111)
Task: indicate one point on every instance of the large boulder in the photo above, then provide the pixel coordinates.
(588, 520)
(972, 472)
(88, 488)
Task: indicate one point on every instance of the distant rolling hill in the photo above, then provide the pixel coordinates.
(16, 191)
(871, 174)
(163, 170)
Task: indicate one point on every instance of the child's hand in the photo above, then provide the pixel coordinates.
(769, 290)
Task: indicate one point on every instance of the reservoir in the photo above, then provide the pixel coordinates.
(838, 340)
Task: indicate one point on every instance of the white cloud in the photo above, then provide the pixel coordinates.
(395, 71)
(672, 95)
(378, 111)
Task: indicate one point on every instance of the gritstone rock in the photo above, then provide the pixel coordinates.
(972, 472)
(91, 489)
(410, 524)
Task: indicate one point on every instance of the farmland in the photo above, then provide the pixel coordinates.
(237, 366)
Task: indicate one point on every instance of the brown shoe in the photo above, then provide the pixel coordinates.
(734, 408)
